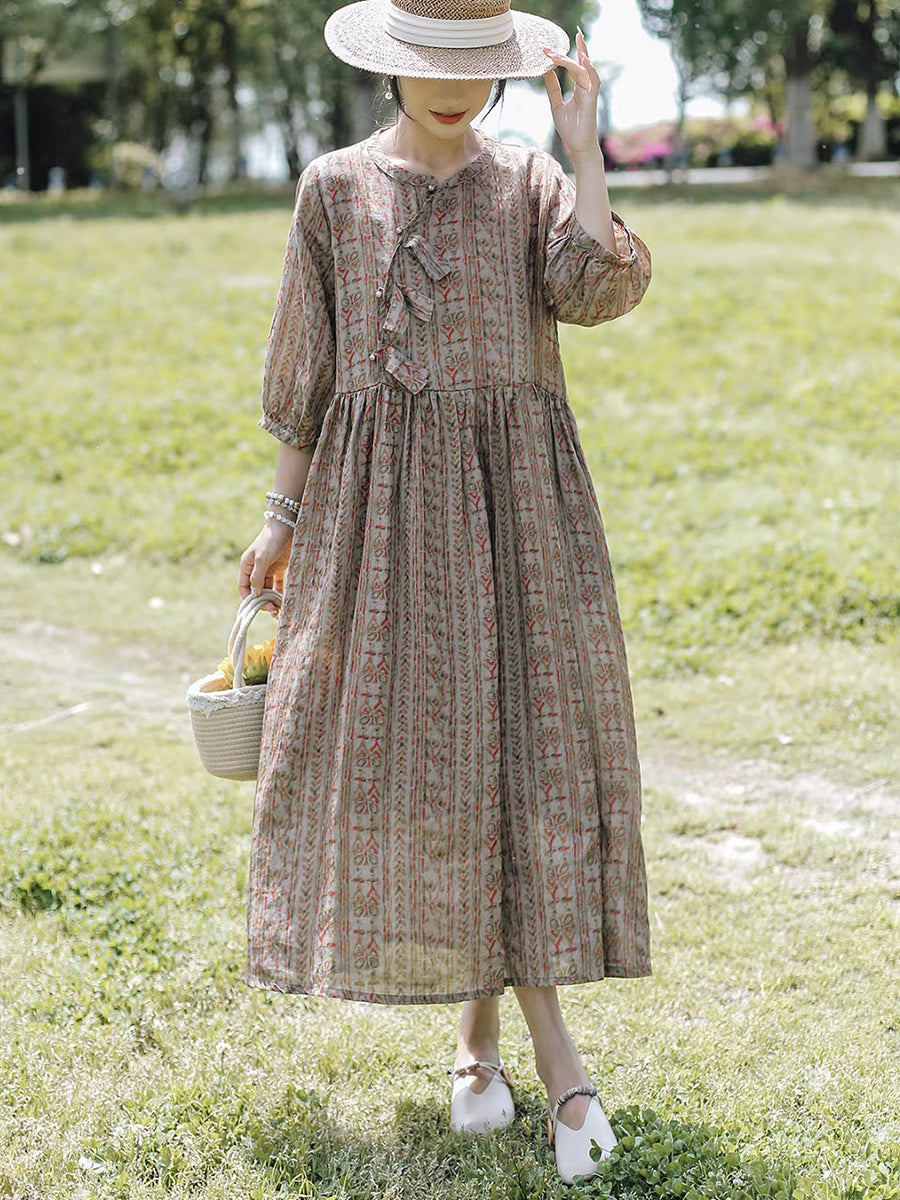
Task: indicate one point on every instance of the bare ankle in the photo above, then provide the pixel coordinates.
(481, 1047)
(555, 1055)
(479, 1026)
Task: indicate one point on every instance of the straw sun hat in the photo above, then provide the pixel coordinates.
(443, 39)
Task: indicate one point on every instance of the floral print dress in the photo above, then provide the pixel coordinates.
(449, 795)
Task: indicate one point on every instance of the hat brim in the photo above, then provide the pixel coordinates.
(356, 34)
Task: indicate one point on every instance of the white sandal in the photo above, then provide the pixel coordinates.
(477, 1112)
(573, 1146)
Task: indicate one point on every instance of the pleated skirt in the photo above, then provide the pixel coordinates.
(449, 796)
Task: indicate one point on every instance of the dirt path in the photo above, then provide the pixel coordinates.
(820, 807)
(78, 676)
(74, 673)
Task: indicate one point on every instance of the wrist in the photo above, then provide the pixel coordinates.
(276, 523)
(284, 512)
(587, 155)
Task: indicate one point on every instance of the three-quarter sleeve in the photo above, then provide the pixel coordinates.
(584, 282)
(298, 377)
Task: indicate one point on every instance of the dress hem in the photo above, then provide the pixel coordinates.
(613, 972)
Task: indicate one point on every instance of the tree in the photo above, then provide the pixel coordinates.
(863, 41)
(751, 47)
(698, 36)
(307, 91)
(175, 65)
(47, 35)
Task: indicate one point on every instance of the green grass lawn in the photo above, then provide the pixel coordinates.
(742, 431)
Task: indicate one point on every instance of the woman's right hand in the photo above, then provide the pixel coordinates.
(265, 561)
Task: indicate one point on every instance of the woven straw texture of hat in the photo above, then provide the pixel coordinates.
(454, 10)
(356, 34)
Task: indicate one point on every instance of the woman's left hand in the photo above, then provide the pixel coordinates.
(576, 117)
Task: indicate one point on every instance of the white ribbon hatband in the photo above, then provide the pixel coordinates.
(433, 31)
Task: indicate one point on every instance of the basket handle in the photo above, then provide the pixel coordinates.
(251, 601)
(248, 609)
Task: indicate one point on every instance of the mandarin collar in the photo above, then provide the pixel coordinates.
(421, 178)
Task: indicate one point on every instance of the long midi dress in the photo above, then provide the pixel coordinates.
(449, 796)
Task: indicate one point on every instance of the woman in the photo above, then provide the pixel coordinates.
(449, 793)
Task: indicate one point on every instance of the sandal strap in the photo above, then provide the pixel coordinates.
(471, 1068)
(583, 1089)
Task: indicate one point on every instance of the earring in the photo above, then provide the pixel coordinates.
(387, 95)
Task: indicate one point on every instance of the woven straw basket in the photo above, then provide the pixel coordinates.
(227, 721)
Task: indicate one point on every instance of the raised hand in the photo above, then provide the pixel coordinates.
(576, 117)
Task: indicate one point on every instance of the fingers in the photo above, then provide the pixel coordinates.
(554, 91)
(584, 73)
(263, 563)
(585, 59)
(254, 574)
(258, 577)
(275, 582)
(579, 73)
(244, 573)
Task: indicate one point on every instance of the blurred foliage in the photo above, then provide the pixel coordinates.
(134, 166)
(750, 48)
(177, 66)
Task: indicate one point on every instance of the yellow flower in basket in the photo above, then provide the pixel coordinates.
(256, 664)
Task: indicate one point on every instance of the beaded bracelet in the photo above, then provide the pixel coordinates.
(283, 501)
(278, 517)
(291, 508)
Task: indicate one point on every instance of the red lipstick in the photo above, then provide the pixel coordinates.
(448, 118)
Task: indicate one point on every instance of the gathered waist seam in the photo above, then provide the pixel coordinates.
(393, 393)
